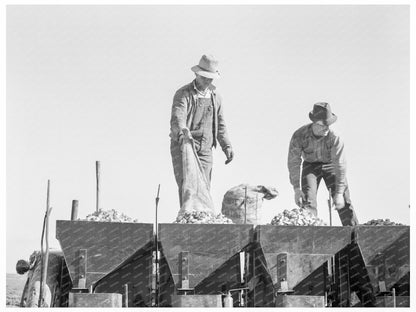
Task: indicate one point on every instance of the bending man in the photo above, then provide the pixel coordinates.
(322, 152)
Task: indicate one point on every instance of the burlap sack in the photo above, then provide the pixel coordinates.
(196, 195)
(241, 207)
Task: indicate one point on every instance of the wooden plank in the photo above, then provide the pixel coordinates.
(98, 300)
(293, 301)
(195, 301)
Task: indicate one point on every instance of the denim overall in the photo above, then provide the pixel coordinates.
(202, 133)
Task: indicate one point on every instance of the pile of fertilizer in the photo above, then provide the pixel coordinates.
(108, 216)
(202, 217)
(297, 216)
(381, 222)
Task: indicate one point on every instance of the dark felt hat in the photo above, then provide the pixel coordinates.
(322, 111)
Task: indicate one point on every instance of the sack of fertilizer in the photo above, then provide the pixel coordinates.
(196, 194)
(243, 202)
(202, 217)
(297, 216)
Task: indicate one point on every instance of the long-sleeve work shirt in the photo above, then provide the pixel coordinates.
(328, 150)
(183, 111)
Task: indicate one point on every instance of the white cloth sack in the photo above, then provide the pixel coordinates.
(195, 189)
(239, 207)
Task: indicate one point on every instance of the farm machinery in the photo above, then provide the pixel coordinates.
(116, 264)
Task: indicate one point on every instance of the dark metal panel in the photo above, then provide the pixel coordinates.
(136, 273)
(307, 250)
(209, 246)
(386, 254)
(108, 244)
(380, 261)
(303, 239)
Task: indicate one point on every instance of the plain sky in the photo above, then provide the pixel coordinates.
(87, 83)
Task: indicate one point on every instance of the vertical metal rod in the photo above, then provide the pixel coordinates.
(97, 174)
(61, 280)
(394, 297)
(348, 281)
(245, 205)
(254, 276)
(157, 251)
(257, 201)
(126, 295)
(44, 255)
(45, 272)
(330, 206)
(74, 210)
(340, 281)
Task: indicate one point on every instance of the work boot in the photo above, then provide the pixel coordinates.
(347, 215)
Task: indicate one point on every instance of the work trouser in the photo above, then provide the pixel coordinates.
(312, 174)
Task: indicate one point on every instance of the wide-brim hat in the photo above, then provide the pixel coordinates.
(322, 111)
(207, 67)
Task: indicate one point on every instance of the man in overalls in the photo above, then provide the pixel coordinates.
(197, 107)
(321, 153)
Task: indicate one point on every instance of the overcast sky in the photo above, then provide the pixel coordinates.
(87, 83)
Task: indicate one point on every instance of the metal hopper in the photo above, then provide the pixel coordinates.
(201, 258)
(296, 261)
(379, 258)
(94, 249)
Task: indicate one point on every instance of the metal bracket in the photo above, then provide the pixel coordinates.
(282, 282)
(81, 278)
(380, 272)
(184, 269)
(242, 266)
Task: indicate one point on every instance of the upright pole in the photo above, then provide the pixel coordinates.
(45, 271)
(257, 201)
(44, 255)
(97, 173)
(157, 250)
(330, 206)
(74, 211)
(126, 295)
(245, 205)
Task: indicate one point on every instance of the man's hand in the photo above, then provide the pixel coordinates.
(299, 197)
(185, 134)
(339, 201)
(229, 154)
